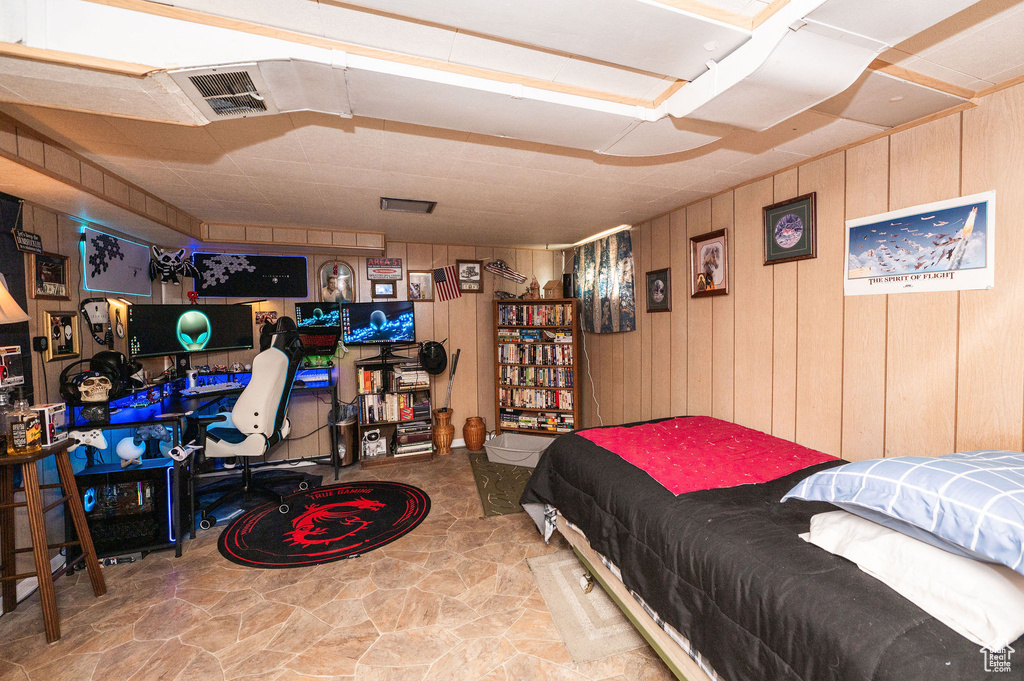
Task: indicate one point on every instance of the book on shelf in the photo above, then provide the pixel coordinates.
(412, 437)
(559, 423)
(542, 314)
(410, 450)
(391, 407)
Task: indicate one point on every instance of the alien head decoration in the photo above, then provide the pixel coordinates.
(193, 330)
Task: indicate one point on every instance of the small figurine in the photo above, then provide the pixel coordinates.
(534, 292)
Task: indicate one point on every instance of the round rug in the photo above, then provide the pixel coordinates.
(324, 524)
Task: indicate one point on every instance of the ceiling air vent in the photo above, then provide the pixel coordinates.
(226, 91)
(407, 205)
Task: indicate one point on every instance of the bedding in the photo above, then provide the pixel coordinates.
(973, 500)
(727, 569)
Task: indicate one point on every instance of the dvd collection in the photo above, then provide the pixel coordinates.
(534, 376)
(526, 398)
(548, 354)
(559, 423)
(558, 314)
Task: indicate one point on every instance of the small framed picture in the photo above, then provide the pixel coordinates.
(659, 290)
(63, 339)
(709, 264)
(471, 275)
(384, 289)
(790, 230)
(421, 286)
(266, 317)
(49, 276)
(336, 282)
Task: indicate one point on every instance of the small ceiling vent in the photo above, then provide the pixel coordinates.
(407, 205)
(226, 91)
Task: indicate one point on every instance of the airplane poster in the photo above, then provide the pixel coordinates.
(943, 246)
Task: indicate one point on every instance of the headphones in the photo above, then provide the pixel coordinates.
(124, 376)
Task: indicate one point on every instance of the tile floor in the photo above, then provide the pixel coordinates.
(454, 599)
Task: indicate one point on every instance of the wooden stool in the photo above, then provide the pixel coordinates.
(40, 549)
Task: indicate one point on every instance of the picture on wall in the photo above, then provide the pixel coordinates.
(421, 286)
(709, 264)
(384, 289)
(471, 275)
(659, 290)
(336, 282)
(231, 275)
(112, 264)
(64, 340)
(943, 246)
(384, 269)
(49, 276)
(790, 230)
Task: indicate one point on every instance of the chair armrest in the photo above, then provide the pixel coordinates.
(203, 421)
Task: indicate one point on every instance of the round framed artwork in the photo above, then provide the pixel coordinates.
(336, 282)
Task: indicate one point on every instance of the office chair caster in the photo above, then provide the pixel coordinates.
(303, 486)
(284, 508)
(207, 522)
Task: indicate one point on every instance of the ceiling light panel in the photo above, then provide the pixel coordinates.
(407, 205)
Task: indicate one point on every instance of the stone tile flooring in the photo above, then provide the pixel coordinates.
(454, 599)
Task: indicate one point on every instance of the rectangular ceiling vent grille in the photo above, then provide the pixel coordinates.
(407, 205)
(229, 94)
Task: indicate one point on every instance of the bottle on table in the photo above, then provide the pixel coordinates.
(5, 407)
(24, 432)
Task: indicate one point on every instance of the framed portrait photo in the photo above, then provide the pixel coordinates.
(659, 290)
(790, 231)
(421, 286)
(709, 264)
(63, 338)
(471, 275)
(384, 289)
(49, 276)
(336, 282)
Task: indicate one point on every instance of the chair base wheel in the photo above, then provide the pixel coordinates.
(207, 523)
(284, 508)
(303, 486)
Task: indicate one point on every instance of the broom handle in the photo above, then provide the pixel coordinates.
(451, 377)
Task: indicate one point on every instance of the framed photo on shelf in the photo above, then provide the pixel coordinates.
(64, 341)
(659, 290)
(709, 264)
(336, 282)
(471, 275)
(421, 286)
(49, 276)
(790, 230)
(384, 289)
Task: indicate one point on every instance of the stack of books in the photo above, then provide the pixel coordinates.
(390, 407)
(410, 376)
(413, 437)
(559, 423)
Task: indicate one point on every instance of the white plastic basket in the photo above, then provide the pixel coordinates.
(516, 449)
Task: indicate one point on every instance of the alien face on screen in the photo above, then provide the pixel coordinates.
(193, 330)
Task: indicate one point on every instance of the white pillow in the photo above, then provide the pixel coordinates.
(984, 602)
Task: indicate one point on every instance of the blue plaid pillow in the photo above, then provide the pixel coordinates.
(974, 500)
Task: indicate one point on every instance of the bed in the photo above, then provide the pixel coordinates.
(717, 577)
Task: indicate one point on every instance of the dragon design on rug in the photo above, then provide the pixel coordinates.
(328, 523)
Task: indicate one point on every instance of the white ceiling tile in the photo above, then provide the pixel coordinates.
(604, 78)
(505, 57)
(351, 25)
(883, 100)
(831, 136)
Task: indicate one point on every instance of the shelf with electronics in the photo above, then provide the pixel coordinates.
(536, 365)
(393, 411)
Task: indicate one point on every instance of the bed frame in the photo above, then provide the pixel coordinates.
(680, 664)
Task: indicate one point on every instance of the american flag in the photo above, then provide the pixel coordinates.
(446, 283)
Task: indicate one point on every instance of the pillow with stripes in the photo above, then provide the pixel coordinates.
(973, 501)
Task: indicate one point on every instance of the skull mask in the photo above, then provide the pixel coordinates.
(95, 388)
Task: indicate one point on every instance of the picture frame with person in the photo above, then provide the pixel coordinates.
(336, 282)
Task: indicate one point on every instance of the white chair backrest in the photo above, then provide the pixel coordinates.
(257, 407)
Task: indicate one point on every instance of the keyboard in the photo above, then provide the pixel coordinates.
(212, 388)
(318, 341)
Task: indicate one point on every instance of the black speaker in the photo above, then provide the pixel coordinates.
(568, 285)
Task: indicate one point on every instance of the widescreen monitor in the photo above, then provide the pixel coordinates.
(156, 330)
(377, 323)
(317, 316)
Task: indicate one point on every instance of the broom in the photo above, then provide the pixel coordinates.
(451, 377)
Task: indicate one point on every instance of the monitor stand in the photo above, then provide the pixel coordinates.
(182, 363)
(387, 355)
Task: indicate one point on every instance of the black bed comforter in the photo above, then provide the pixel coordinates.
(726, 568)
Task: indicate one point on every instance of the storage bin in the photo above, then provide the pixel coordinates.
(516, 449)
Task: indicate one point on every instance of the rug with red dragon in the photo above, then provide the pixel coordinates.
(324, 524)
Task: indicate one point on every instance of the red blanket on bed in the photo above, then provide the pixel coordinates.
(699, 452)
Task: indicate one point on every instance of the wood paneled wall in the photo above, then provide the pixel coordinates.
(786, 353)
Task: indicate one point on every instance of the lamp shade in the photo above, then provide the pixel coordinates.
(10, 311)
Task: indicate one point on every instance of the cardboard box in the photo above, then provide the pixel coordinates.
(53, 419)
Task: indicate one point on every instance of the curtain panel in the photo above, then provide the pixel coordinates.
(603, 271)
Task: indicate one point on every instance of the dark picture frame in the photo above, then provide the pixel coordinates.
(63, 338)
(384, 289)
(790, 230)
(471, 275)
(659, 290)
(709, 264)
(49, 273)
(421, 286)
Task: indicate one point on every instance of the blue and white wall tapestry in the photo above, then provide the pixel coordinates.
(111, 264)
(943, 246)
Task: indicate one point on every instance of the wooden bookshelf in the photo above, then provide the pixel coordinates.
(381, 389)
(544, 368)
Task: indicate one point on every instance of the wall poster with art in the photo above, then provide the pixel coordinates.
(943, 246)
(233, 275)
(113, 264)
(603, 271)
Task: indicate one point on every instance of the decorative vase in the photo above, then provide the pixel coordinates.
(474, 433)
(444, 431)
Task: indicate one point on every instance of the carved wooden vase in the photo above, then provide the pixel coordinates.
(474, 433)
(444, 431)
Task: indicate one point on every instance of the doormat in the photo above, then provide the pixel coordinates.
(591, 625)
(324, 525)
(500, 485)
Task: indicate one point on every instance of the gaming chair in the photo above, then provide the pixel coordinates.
(257, 422)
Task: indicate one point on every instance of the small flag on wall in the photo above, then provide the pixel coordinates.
(446, 283)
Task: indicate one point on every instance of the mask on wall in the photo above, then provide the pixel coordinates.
(193, 330)
(170, 265)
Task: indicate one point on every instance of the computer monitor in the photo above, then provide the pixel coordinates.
(317, 317)
(378, 323)
(157, 330)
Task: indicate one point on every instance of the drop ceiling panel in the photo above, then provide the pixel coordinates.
(294, 15)
(901, 19)
(989, 52)
(604, 78)
(506, 57)
(832, 135)
(667, 136)
(747, 8)
(882, 100)
(351, 25)
(644, 36)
